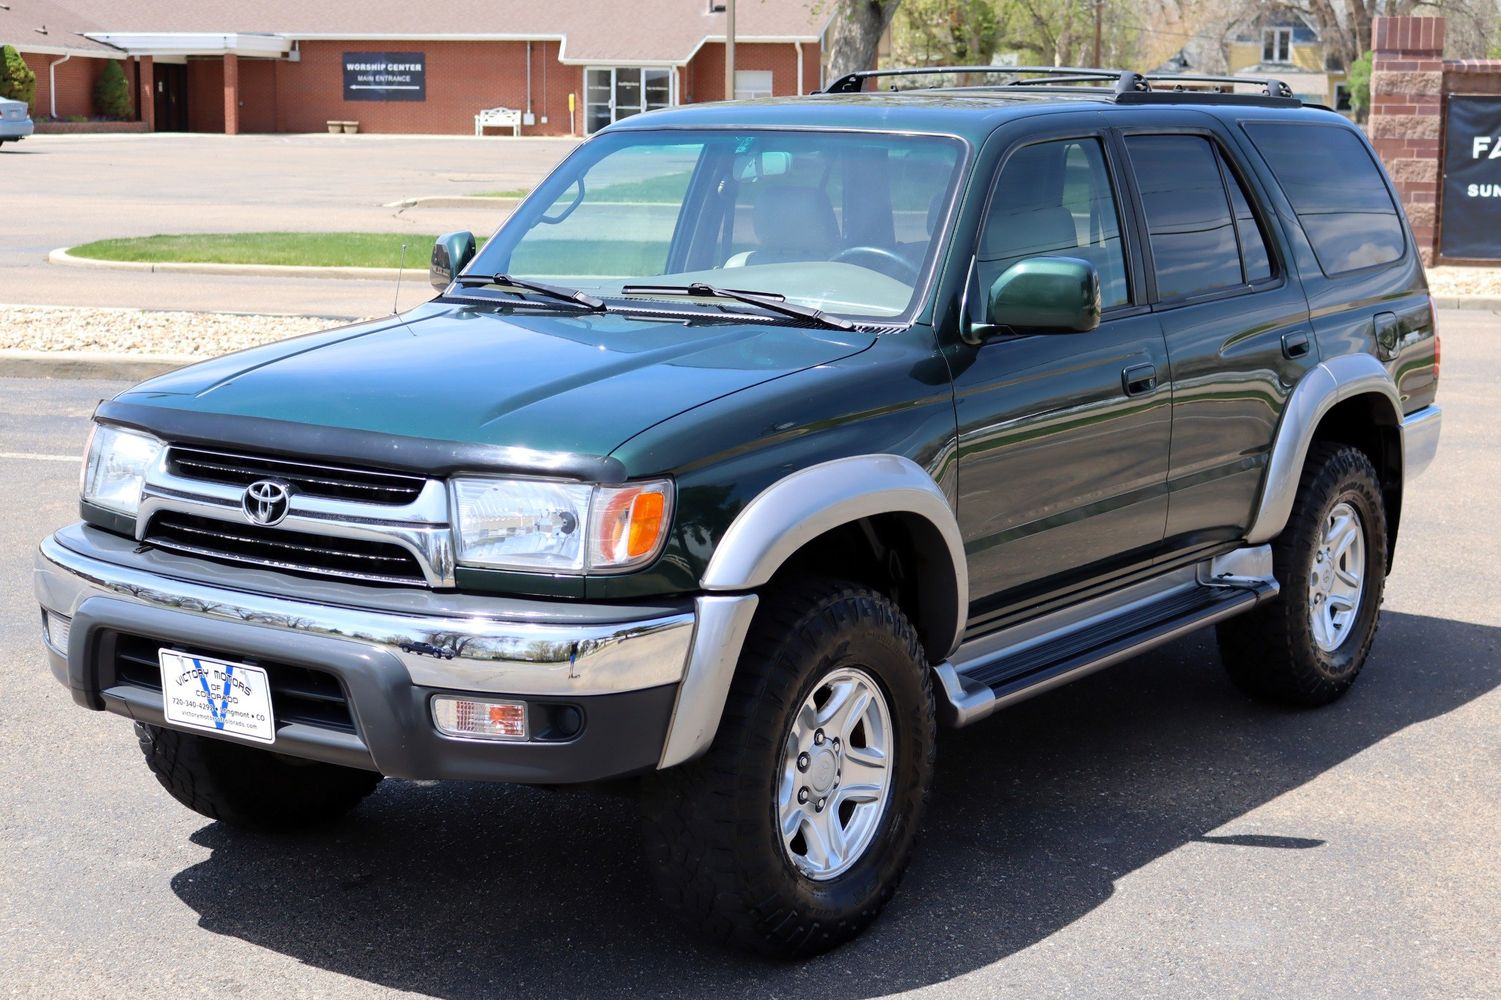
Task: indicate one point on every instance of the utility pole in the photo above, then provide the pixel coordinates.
(1099, 6)
(729, 50)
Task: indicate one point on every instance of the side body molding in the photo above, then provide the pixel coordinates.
(769, 530)
(1319, 391)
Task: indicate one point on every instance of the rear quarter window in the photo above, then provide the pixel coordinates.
(1337, 191)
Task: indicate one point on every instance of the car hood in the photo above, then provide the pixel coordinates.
(542, 382)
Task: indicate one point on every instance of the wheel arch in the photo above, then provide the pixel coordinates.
(889, 501)
(874, 508)
(1353, 399)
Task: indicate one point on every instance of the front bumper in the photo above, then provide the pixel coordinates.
(619, 668)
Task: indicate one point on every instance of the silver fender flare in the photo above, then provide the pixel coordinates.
(1316, 393)
(765, 534)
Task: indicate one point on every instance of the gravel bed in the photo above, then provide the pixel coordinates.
(141, 331)
(1449, 280)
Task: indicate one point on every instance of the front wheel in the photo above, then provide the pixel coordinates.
(249, 787)
(792, 832)
(1306, 647)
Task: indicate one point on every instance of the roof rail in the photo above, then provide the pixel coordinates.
(1125, 86)
(1270, 86)
(1126, 81)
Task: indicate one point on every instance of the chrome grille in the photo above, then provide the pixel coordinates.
(331, 482)
(289, 551)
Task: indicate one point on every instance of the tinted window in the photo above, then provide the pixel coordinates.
(1189, 227)
(1254, 257)
(1337, 191)
(1055, 198)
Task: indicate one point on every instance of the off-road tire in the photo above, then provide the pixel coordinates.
(1271, 652)
(249, 787)
(711, 832)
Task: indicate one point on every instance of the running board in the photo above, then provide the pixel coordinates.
(1013, 664)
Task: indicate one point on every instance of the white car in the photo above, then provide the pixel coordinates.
(15, 123)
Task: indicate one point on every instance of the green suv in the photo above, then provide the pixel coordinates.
(759, 441)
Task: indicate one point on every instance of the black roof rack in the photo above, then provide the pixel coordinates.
(1125, 86)
(1270, 86)
(1125, 79)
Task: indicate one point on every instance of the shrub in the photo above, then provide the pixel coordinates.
(17, 81)
(112, 92)
(1359, 82)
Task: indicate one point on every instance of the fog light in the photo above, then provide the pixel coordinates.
(55, 629)
(484, 720)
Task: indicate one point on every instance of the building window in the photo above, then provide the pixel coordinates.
(1277, 45)
(752, 83)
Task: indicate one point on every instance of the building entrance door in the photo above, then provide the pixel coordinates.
(171, 97)
(615, 92)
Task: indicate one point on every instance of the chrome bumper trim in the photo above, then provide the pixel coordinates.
(1420, 431)
(469, 653)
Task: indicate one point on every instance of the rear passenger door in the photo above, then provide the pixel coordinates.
(1233, 314)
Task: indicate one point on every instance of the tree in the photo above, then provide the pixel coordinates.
(112, 92)
(17, 81)
(1046, 32)
(1359, 82)
(856, 33)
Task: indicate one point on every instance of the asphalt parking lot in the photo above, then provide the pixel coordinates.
(89, 187)
(1144, 832)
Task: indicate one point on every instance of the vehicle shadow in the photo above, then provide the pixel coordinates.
(481, 890)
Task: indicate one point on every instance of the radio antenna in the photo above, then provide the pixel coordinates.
(396, 303)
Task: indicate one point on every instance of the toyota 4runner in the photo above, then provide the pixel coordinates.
(761, 439)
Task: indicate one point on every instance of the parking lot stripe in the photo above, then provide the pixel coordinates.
(39, 458)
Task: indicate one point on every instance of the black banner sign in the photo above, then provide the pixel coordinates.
(385, 76)
(1471, 225)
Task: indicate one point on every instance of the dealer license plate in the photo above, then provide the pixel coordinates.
(216, 696)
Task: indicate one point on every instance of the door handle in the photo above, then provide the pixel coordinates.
(1295, 345)
(1138, 380)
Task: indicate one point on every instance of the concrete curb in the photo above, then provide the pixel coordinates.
(64, 257)
(1479, 302)
(505, 205)
(88, 364)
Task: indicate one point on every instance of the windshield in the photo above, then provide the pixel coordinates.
(843, 222)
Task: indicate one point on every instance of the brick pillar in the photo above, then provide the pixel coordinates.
(146, 100)
(1407, 82)
(231, 94)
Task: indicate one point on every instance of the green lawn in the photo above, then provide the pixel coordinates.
(310, 249)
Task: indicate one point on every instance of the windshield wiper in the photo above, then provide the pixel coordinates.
(581, 299)
(766, 300)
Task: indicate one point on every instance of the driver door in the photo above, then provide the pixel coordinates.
(1063, 437)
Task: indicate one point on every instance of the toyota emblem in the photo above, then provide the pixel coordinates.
(267, 501)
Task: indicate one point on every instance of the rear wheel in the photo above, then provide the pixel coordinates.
(791, 833)
(249, 787)
(1306, 647)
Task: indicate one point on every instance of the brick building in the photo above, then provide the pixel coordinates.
(1412, 90)
(396, 66)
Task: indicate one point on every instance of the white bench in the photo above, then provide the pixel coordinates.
(498, 118)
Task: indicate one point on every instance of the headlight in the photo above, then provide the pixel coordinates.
(116, 466)
(557, 527)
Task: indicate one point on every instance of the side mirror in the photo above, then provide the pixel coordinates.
(1046, 295)
(450, 253)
